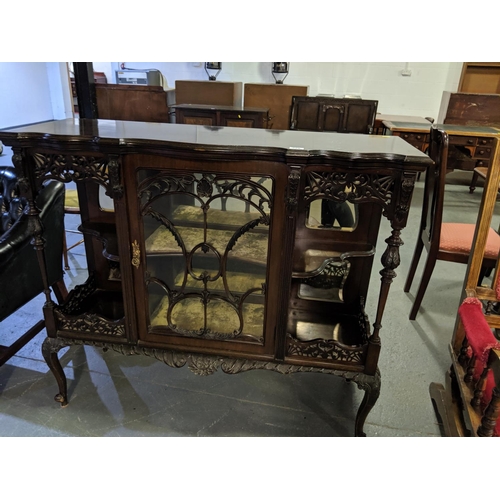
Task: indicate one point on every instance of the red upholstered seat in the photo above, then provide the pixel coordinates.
(481, 340)
(457, 238)
(444, 241)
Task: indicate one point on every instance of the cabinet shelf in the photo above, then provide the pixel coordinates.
(90, 310)
(105, 233)
(249, 247)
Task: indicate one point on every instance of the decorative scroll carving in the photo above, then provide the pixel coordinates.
(90, 323)
(71, 315)
(350, 186)
(293, 186)
(333, 275)
(72, 168)
(206, 364)
(324, 349)
(240, 188)
(114, 178)
(78, 296)
(403, 207)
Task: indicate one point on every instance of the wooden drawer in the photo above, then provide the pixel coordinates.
(413, 137)
(463, 140)
(482, 152)
(482, 163)
(485, 141)
(420, 141)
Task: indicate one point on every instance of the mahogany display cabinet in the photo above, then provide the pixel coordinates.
(225, 248)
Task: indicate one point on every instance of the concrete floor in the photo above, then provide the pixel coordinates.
(115, 395)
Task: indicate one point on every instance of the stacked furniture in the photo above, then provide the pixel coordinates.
(215, 255)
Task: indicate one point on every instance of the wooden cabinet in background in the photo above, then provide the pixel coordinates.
(277, 98)
(480, 77)
(463, 108)
(222, 116)
(329, 114)
(208, 92)
(146, 103)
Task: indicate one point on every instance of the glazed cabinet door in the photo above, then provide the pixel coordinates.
(205, 253)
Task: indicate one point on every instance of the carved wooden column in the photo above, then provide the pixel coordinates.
(291, 202)
(28, 189)
(397, 213)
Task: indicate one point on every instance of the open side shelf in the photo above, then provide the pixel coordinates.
(106, 233)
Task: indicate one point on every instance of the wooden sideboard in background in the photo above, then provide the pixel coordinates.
(146, 103)
(471, 109)
(480, 77)
(208, 92)
(275, 97)
(222, 116)
(330, 114)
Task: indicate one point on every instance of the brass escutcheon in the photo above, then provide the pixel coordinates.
(136, 254)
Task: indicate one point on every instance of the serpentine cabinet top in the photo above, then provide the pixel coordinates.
(195, 137)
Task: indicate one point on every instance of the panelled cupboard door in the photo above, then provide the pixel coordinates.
(328, 114)
(359, 118)
(208, 241)
(307, 115)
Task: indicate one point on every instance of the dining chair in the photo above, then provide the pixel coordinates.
(445, 241)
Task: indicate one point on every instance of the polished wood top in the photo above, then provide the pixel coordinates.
(402, 126)
(220, 139)
(401, 118)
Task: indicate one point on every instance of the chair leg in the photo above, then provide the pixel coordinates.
(414, 264)
(473, 182)
(426, 276)
(65, 252)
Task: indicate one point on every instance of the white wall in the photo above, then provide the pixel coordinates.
(32, 92)
(419, 94)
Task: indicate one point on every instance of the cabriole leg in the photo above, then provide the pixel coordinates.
(50, 348)
(371, 386)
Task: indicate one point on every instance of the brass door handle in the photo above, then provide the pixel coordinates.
(136, 254)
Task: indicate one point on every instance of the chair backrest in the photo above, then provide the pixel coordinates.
(435, 180)
(11, 204)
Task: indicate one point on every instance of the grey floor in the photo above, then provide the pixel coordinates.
(115, 395)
